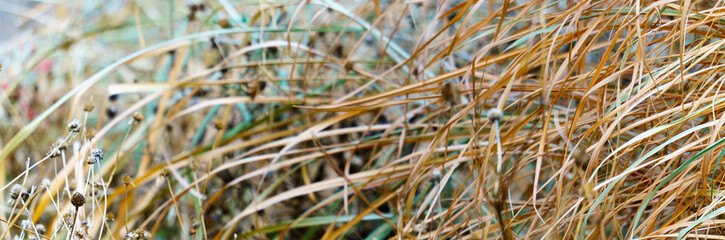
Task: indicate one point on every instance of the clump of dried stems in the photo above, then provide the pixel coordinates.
(321, 119)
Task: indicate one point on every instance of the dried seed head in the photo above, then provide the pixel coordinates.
(89, 107)
(137, 116)
(79, 234)
(90, 133)
(194, 226)
(451, 93)
(68, 218)
(193, 164)
(78, 200)
(45, 183)
(96, 156)
(436, 174)
(53, 152)
(25, 224)
(75, 125)
(580, 155)
(127, 181)
(16, 190)
(164, 173)
(111, 111)
(60, 144)
(142, 234)
(197, 7)
(163, 177)
(224, 23)
(41, 228)
(495, 114)
(349, 66)
(131, 236)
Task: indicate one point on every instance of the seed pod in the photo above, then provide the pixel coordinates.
(96, 156)
(437, 175)
(142, 234)
(137, 116)
(41, 228)
(451, 93)
(224, 23)
(68, 218)
(75, 125)
(495, 114)
(53, 152)
(219, 124)
(164, 173)
(25, 224)
(89, 107)
(78, 200)
(111, 111)
(90, 133)
(16, 190)
(194, 227)
(127, 181)
(348, 66)
(45, 183)
(193, 164)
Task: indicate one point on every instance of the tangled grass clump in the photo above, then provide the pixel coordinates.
(218, 119)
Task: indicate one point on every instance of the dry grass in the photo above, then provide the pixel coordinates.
(546, 119)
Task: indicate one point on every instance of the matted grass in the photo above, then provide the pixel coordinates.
(330, 119)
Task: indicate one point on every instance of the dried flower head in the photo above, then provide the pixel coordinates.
(60, 144)
(68, 218)
(89, 107)
(137, 116)
(138, 234)
(127, 181)
(53, 152)
(437, 175)
(19, 191)
(165, 173)
(224, 23)
(451, 93)
(90, 133)
(25, 224)
(75, 125)
(131, 236)
(194, 226)
(495, 114)
(15, 191)
(193, 164)
(163, 177)
(45, 183)
(78, 200)
(41, 228)
(96, 156)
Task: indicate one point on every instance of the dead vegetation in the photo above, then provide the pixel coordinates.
(321, 119)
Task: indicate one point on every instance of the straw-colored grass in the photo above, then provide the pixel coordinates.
(321, 119)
